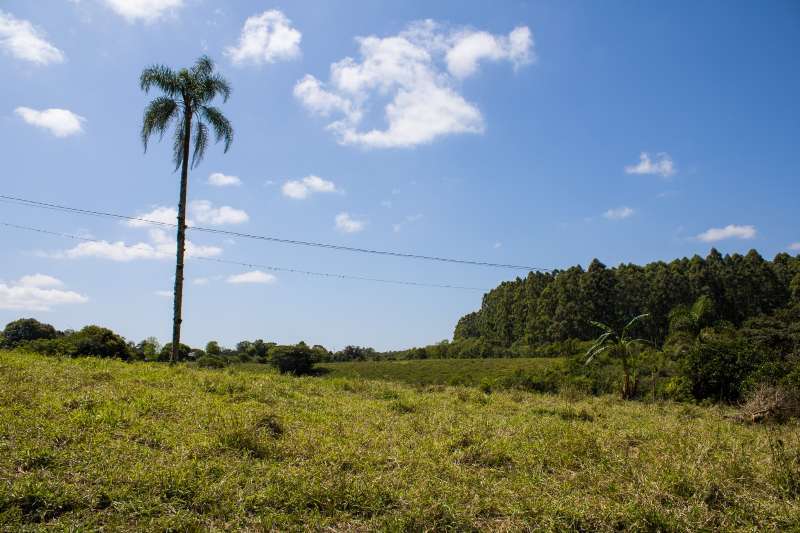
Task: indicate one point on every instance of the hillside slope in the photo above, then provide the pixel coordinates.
(91, 443)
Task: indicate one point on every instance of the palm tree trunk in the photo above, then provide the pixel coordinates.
(176, 316)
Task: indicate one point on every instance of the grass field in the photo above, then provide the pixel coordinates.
(468, 372)
(88, 444)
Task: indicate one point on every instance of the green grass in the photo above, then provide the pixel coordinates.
(468, 372)
(89, 444)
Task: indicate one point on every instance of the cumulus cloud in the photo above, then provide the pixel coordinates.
(218, 179)
(266, 38)
(619, 213)
(205, 213)
(254, 276)
(415, 75)
(36, 292)
(471, 47)
(660, 165)
(159, 215)
(348, 224)
(59, 122)
(301, 189)
(731, 231)
(144, 10)
(22, 40)
(410, 219)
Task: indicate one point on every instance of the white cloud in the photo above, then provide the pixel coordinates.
(661, 165)
(144, 10)
(731, 231)
(218, 179)
(254, 276)
(23, 41)
(619, 213)
(497, 245)
(59, 122)
(32, 293)
(348, 224)
(415, 74)
(410, 219)
(795, 246)
(301, 189)
(386, 203)
(201, 281)
(470, 47)
(39, 280)
(205, 213)
(164, 294)
(162, 246)
(159, 215)
(266, 38)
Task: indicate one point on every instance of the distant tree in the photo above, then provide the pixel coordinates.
(149, 348)
(167, 353)
(26, 329)
(298, 359)
(96, 341)
(185, 103)
(212, 348)
(618, 344)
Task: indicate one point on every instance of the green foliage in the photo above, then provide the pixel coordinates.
(298, 359)
(101, 445)
(211, 361)
(91, 341)
(184, 352)
(620, 345)
(187, 95)
(551, 307)
(26, 329)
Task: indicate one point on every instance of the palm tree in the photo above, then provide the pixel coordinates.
(621, 346)
(185, 103)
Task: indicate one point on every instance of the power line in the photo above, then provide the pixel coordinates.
(406, 255)
(266, 267)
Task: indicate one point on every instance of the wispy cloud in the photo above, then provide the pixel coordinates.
(348, 224)
(410, 219)
(59, 122)
(619, 213)
(660, 165)
(144, 10)
(37, 292)
(254, 276)
(795, 246)
(218, 179)
(303, 188)
(22, 40)
(731, 231)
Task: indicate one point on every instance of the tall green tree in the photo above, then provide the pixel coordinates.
(185, 104)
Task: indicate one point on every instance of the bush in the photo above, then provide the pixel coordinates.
(296, 360)
(767, 403)
(91, 341)
(26, 329)
(210, 361)
(183, 352)
(97, 341)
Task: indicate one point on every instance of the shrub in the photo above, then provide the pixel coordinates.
(99, 342)
(166, 352)
(298, 359)
(26, 329)
(210, 361)
(769, 403)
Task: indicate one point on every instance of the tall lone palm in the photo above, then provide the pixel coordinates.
(185, 103)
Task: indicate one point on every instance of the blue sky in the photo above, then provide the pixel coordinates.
(534, 133)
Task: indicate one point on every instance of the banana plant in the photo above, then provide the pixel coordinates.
(619, 345)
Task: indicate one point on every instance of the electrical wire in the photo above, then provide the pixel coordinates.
(258, 265)
(406, 255)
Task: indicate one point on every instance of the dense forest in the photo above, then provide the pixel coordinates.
(544, 308)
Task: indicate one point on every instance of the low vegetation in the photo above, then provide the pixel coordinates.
(90, 443)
